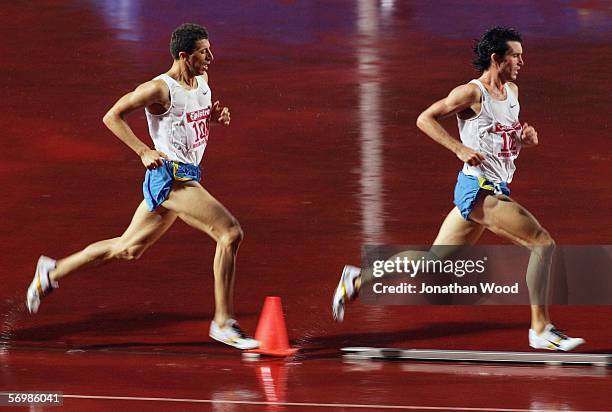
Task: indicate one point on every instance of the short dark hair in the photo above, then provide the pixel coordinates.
(495, 40)
(185, 37)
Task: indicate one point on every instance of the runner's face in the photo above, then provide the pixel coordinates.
(513, 61)
(201, 57)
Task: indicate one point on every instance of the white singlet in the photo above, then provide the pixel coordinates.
(496, 133)
(182, 131)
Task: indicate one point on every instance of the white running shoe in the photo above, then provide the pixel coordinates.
(232, 335)
(345, 292)
(552, 339)
(41, 284)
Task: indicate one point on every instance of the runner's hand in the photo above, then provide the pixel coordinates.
(469, 156)
(152, 159)
(529, 136)
(221, 114)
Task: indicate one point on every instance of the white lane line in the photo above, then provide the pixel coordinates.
(312, 404)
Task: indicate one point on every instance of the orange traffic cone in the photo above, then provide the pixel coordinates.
(271, 330)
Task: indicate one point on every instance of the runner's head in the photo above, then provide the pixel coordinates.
(499, 46)
(189, 43)
(185, 38)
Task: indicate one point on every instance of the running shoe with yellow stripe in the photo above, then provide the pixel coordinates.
(552, 339)
(231, 334)
(41, 284)
(345, 292)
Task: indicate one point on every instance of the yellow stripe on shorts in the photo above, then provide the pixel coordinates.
(485, 184)
(175, 167)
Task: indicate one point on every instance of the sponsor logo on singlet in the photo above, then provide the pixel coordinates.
(510, 136)
(198, 115)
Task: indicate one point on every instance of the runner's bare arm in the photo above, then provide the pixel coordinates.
(459, 99)
(149, 94)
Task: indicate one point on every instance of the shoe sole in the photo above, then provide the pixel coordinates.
(32, 303)
(555, 348)
(233, 345)
(339, 315)
(33, 295)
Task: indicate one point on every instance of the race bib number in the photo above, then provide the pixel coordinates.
(510, 136)
(199, 122)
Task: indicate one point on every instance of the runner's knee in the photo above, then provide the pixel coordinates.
(543, 238)
(232, 236)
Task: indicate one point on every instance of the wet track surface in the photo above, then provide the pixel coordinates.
(322, 156)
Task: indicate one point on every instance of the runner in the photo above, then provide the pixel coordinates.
(487, 111)
(179, 109)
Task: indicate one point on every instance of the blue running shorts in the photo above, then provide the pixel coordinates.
(467, 189)
(158, 182)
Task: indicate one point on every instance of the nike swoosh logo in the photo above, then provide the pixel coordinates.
(205, 93)
(512, 107)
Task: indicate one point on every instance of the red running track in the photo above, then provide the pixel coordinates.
(322, 157)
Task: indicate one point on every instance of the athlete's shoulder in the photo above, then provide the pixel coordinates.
(155, 87)
(468, 92)
(152, 92)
